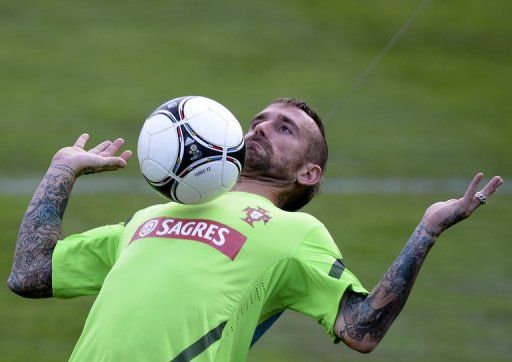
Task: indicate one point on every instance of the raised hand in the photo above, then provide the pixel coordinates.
(441, 215)
(98, 159)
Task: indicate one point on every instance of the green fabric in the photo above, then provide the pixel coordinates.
(159, 295)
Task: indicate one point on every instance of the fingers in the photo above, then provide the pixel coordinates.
(113, 163)
(491, 187)
(109, 148)
(472, 188)
(126, 155)
(102, 157)
(112, 148)
(101, 147)
(80, 142)
(487, 191)
(107, 164)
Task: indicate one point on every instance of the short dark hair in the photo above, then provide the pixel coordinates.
(317, 152)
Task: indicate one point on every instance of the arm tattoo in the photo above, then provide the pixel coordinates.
(31, 274)
(372, 316)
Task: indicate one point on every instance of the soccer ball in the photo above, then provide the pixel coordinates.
(191, 149)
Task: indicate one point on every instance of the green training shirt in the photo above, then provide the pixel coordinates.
(179, 282)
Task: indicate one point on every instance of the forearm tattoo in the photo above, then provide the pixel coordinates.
(31, 274)
(372, 316)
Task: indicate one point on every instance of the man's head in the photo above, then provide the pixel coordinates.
(286, 146)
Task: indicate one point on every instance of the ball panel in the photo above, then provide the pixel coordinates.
(208, 126)
(237, 155)
(205, 177)
(172, 107)
(153, 171)
(197, 105)
(207, 118)
(186, 194)
(157, 123)
(164, 148)
(234, 134)
(229, 175)
(143, 145)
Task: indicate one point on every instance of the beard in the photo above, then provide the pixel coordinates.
(262, 162)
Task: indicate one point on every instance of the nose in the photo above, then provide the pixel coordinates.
(261, 128)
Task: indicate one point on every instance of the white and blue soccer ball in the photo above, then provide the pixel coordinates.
(191, 149)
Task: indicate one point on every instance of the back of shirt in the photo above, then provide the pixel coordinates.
(193, 282)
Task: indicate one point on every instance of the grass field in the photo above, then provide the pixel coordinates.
(437, 106)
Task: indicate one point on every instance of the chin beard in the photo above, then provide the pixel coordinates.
(260, 167)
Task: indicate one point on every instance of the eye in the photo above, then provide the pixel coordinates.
(284, 128)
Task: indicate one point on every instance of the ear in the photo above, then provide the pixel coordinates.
(309, 174)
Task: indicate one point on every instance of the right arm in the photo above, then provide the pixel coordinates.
(363, 321)
(41, 227)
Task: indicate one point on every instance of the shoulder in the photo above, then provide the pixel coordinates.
(304, 221)
(316, 238)
(305, 217)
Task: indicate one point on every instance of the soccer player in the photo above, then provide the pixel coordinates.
(204, 282)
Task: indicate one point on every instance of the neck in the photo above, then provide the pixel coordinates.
(267, 187)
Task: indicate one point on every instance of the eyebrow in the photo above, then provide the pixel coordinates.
(289, 121)
(258, 117)
(284, 119)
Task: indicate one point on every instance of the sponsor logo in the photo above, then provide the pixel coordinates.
(189, 141)
(219, 236)
(253, 215)
(147, 228)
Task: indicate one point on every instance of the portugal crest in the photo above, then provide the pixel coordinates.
(256, 214)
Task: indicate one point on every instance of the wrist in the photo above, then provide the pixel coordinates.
(64, 168)
(62, 158)
(429, 229)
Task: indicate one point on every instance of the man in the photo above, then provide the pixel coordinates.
(165, 296)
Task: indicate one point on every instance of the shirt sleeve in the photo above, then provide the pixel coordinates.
(318, 279)
(81, 262)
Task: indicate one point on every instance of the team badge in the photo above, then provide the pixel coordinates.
(253, 215)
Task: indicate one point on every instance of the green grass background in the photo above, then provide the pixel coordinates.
(438, 105)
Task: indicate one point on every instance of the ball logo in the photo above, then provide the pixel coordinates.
(147, 228)
(194, 152)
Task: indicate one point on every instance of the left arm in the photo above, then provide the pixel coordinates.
(363, 321)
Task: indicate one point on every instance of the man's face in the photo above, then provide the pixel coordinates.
(277, 141)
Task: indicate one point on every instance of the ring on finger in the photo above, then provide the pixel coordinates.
(481, 197)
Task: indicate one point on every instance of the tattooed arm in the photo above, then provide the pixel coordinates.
(41, 227)
(363, 321)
